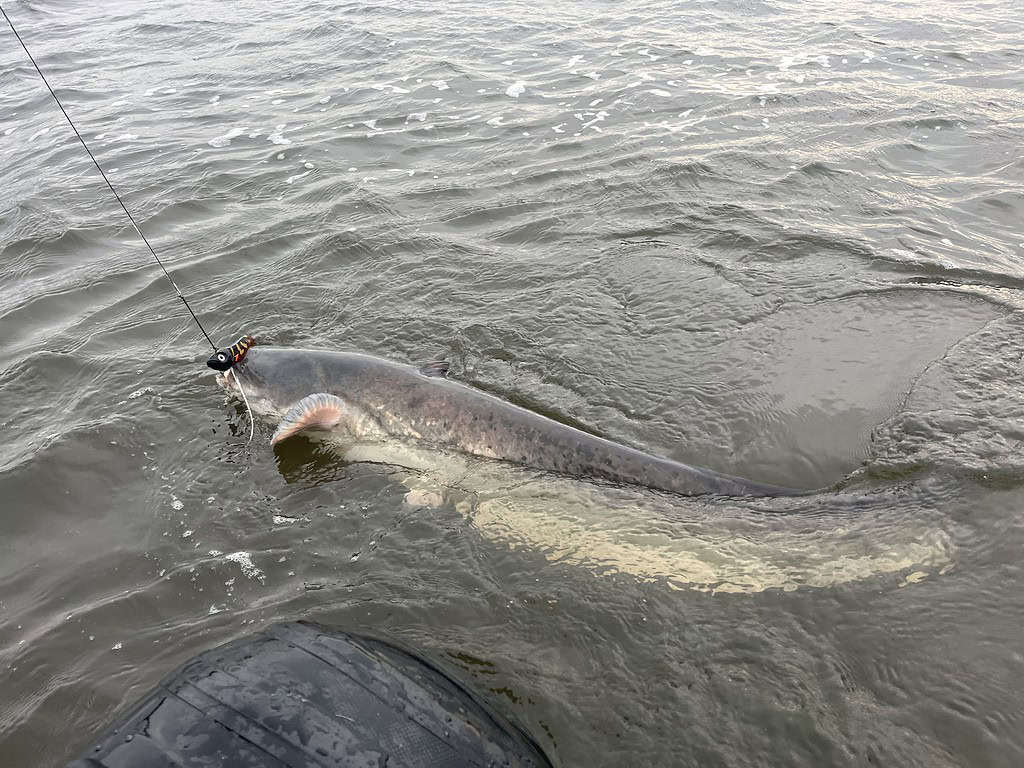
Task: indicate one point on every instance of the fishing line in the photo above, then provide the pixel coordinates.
(252, 421)
(124, 207)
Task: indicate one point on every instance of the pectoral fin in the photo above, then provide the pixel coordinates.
(437, 368)
(317, 411)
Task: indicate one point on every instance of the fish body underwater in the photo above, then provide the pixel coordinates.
(366, 397)
(708, 533)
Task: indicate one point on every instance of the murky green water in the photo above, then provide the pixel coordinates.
(781, 240)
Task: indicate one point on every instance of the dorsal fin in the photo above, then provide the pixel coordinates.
(316, 411)
(436, 368)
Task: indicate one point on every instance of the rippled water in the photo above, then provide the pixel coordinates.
(782, 240)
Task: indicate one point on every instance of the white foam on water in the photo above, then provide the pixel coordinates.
(417, 116)
(244, 561)
(215, 99)
(659, 92)
(371, 124)
(802, 59)
(296, 177)
(596, 119)
(441, 85)
(325, 99)
(495, 121)
(277, 137)
(223, 141)
(517, 89)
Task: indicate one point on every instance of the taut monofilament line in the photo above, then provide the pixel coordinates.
(95, 162)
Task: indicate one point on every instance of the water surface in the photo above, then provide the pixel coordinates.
(778, 239)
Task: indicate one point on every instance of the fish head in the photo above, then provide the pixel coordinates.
(273, 379)
(306, 391)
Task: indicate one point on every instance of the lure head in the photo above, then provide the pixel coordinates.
(224, 359)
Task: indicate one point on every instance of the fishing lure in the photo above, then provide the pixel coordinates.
(226, 358)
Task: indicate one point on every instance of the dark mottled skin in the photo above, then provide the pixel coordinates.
(443, 412)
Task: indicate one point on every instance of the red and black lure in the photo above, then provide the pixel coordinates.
(226, 358)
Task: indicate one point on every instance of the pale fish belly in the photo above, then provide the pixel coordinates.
(691, 543)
